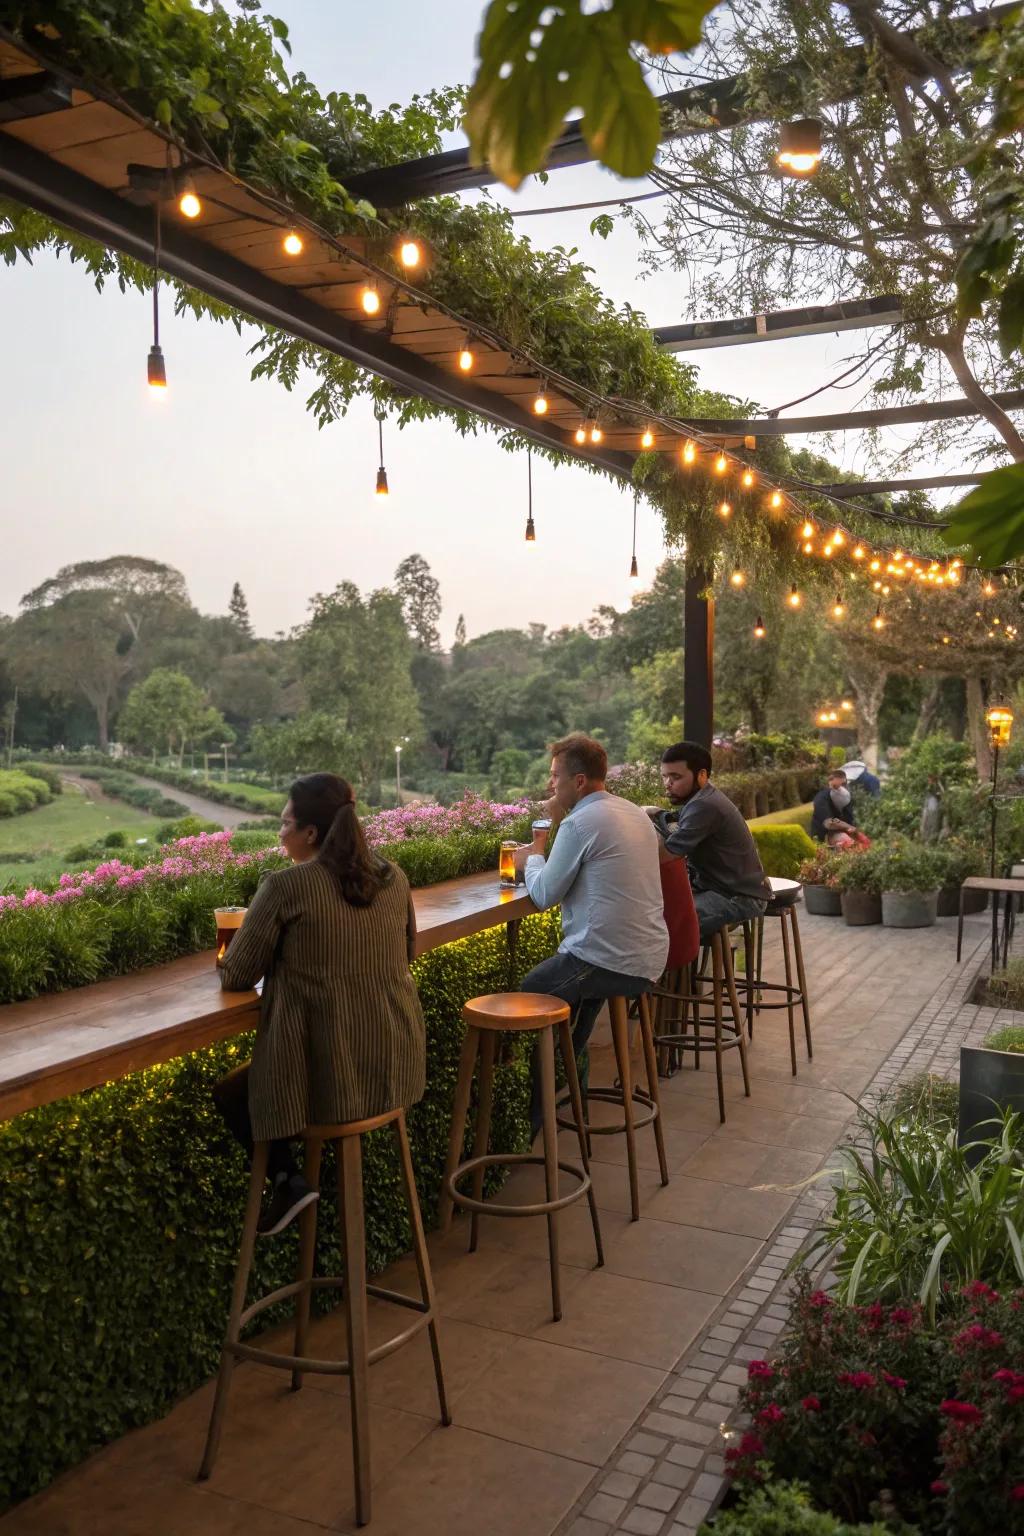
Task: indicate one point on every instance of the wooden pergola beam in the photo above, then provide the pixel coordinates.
(811, 320)
(844, 488)
(851, 421)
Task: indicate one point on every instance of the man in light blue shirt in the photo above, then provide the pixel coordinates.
(604, 869)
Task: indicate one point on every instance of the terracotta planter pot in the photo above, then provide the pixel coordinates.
(909, 909)
(861, 908)
(822, 901)
(989, 1081)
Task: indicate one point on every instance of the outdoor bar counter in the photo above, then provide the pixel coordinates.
(65, 1042)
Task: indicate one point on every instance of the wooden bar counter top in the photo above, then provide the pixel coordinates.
(67, 1041)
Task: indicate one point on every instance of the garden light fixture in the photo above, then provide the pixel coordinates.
(799, 147)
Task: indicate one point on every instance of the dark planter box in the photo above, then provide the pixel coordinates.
(949, 901)
(861, 908)
(822, 901)
(989, 1082)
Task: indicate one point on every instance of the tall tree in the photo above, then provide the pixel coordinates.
(460, 629)
(238, 609)
(420, 594)
(166, 711)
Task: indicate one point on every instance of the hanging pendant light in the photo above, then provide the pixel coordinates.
(799, 147)
(382, 474)
(759, 629)
(634, 570)
(647, 440)
(156, 371)
(531, 532)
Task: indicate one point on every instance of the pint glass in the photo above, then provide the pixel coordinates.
(229, 920)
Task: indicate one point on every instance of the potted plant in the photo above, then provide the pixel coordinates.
(818, 878)
(858, 876)
(911, 874)
(991, 1080)
(962, 858)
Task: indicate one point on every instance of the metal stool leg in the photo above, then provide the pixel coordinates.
(353, 1235)
(620, 1040)
(787, 961)
(419, 1248)
(798, 952)
(485, 1096)
(546, 1057)
(307, 1254)
(647, 1038)
(460, 1110)
(750, 976)
(695, 991)
(716, 989)
(227, 1360)
(734, 1004)
(576, 1100)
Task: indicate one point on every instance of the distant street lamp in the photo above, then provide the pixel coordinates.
(398, 769)
(224, 748)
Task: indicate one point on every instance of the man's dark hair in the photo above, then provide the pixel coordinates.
(837, 773)
(691, 753)
(582, 755)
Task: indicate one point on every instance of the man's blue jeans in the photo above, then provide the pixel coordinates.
(584, 987)
(715, 910)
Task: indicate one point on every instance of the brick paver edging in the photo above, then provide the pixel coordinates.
(668, 1473)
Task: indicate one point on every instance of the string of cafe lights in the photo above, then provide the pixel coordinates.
(887, 567)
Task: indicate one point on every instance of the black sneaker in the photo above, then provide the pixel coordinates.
(291, 1194)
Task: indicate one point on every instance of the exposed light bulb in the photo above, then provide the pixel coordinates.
(292, 244)
(776, 501)
(876, 565)
(466, 359)
(808, 530)
(581, 433)
(189, 205)
(540, 404)
(859, 552)
(531, 532)
(808, 548)
(410, 253)
(724, 509)
(837, 539)
(689, 453)
(721, 464)
(596, 435)
(878, 622)
(156, 371)
(759, 630)
(794, 599)
(748, 479)
(838, 608)
(737, 578)
(382, 482)
(370, 299)
(634, 570)
(647, 441)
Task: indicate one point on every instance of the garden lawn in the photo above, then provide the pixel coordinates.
(50, 830)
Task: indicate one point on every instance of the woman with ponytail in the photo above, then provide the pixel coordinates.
(341, 1033)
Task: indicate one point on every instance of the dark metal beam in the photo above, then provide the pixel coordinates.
(882, 487)
(857, 421)
(44, 184)
(812, 320)
(33, 95)
(698, 109)
(698, 656)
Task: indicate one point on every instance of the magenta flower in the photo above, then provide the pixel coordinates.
(812, 1404)
(961, 1413)
(862, 1381)
(760, 1370)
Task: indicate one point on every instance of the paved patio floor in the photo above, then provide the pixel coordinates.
(543, 1411)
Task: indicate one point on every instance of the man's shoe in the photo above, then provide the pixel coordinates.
(291, 1194)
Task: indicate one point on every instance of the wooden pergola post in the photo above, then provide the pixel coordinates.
(698, 656)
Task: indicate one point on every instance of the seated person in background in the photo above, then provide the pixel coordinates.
(833, 818)
(859, 776)
(604, 870)
(341, 1033)
(729, 884)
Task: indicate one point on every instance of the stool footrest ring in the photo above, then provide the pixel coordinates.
(728, 1042)
(614, 1096)
(327, 1367)
(509, 1159)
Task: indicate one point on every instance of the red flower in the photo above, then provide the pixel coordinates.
(751, 1444)
(896, 1382)
(979, 1288)
(819, 1299)
(1015, 1394)
(760, 1370)
(963, 1413)
(862, 1380)
(875, 1315)
(902, 1317)
(812, 1403)
(773, 1414)
(1017, 1492)
(1005, 1374)
(939, 1486)
(985, 1338)
(867, 1438)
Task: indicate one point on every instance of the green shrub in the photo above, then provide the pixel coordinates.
(1009, 1039)
(252, 842)
(266, 824)
(247, 797)
(870, 1406)
(927, 1098)
(909, 866)
(793, 816)
(21, 792)
(782, 849)
(8, 804)
(115, 840)
(49, 775)
(1005, 989)
(121, 1209)
(785, 1509)
(913, 1215)
(185, 826)
(121, 786)
(860, 869)
(821, 868)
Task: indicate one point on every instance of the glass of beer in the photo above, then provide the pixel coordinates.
(228, 920)
(507, 864)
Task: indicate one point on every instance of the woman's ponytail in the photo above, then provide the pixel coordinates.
(327, 802)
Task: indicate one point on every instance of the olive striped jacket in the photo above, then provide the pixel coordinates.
(341, 1033)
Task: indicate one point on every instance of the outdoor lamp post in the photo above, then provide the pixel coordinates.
(398, 769)
(224, 748)
(999, 720)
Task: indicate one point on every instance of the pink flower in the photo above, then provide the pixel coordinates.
(819, 1299)
(984, 1338)
(812, 1404)
(772, 1414)
(861, 1380)
(896, 1382)
(902, 1317)
(979, 1288)
(760, 1370)
(962, 1413)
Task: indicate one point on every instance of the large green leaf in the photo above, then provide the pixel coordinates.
(531, 74)
(990, 520)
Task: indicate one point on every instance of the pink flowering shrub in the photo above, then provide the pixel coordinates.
(870, 1398)
(471, 814)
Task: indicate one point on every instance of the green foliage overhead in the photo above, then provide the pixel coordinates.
(537, 62)
(990, 519)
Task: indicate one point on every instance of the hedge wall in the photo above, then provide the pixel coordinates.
(246, 797)
(21, 792)
(120, 1217)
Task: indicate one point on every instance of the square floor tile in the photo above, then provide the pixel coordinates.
(669, 1253)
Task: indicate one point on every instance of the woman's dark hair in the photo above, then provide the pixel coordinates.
(328, 803)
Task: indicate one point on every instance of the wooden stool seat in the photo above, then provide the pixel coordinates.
(347, 1140)
(707, 1030)
(486, 1018)
(629, 1096)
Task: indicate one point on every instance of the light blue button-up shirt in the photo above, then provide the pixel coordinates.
(605, 870)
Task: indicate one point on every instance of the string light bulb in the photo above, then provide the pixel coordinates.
(410, 253)
(794, 599)
(808, 548)
(370, 299)
(647, 441)
(596, 435)
(838, 608)
(689, 452)
(759, 630)
(737, 578)
(581, 433)
(467, 358)
(807, 531)
(721, 464)
(837, 538)
(876, 565)
(540, 403)
(724, 509)
(156, 371)
(776, 500)
(859, 552)
(189, 205)
(748, 479)
(799, 147)
(878, 622)
(988, 589)
(292, 243)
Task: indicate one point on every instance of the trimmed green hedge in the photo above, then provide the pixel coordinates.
(20, 792)
(783, 849)
(121, 786)
(120, 1217)
(246, 797)
(795, 816)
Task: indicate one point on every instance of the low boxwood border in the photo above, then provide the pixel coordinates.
(120, 1216)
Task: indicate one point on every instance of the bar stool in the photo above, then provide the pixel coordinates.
(627, 1095)
(487, 1018)
(783, 905)
(346, 1139)
(708, 1032)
